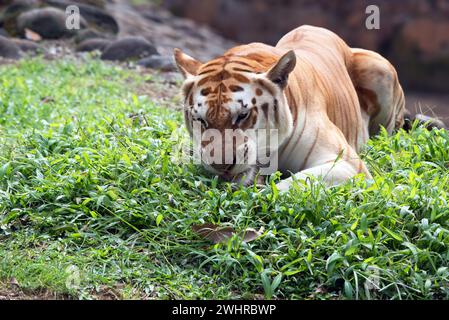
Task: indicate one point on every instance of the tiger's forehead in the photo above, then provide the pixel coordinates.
(225, 78)
(227, 65)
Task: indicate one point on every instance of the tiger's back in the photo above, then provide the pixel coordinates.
(329, 77)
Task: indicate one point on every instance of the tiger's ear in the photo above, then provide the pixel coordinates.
(280, 71)
(186, 64)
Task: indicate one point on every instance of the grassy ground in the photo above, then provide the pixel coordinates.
(92, 205)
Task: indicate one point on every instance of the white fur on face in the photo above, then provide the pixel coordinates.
(241, 103)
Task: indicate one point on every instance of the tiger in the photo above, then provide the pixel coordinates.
(324, 99)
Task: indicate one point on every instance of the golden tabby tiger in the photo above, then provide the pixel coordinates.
(324, 98)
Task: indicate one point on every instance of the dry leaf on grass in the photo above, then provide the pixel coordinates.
(213, 232)
(47, 100)
(251, 234)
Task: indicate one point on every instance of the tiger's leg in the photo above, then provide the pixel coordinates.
(380, 94)
(332, 172)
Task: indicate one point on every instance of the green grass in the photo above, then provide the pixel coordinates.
(84, 185)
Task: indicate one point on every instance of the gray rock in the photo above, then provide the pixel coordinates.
(49, 23)
(95, 17)
(95, 3)
(12, 11)
(163, 63)
(166, 32)
(27, 45)
(93, 44)
(129, 48)
(8, 49)
(86, 34)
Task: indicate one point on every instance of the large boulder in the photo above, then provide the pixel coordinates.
(8, 49)
(129, 48)
(27, 45)
(87, 34)
(163, 63)
(95, 3)
(268, 20)
(12, 11)
(93, 44)
(420, 52)
(5, 3)
(413, 33)
(49, 23)
(430, 35)
(96, 17)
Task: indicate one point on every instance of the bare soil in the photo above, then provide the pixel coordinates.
(12, 291)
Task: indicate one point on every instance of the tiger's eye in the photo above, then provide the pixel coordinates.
(242, 116)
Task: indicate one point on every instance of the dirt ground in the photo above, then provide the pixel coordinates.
(12, 291)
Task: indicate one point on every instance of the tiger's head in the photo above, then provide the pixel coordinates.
(233, 104)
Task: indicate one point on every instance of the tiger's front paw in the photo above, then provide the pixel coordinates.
(283, 186)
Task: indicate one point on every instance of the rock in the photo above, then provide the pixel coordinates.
(163, 63)
(5, 3)
(8, 49)
(86, 34)
(95, 3)
(129, 48)
(3, 32)
(96, 17)
(11, 13)
(432, 38)
(27, 45)
(158, 17)
(93, 44)
(49, 23)
(413, 34)
(166, 31)
(422, 58)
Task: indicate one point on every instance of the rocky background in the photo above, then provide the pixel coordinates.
(118, 30)
(414, 34)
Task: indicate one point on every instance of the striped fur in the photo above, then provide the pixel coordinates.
(325, 98)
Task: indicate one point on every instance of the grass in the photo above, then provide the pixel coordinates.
(91, 202)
